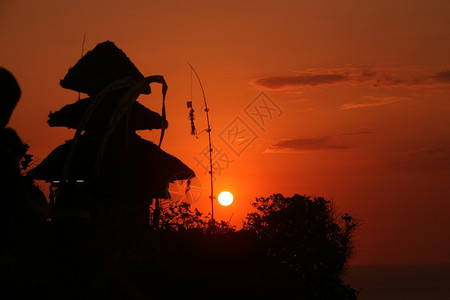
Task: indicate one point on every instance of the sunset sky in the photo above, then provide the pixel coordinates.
(349, 100)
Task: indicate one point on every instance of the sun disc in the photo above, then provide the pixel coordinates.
(225, 198)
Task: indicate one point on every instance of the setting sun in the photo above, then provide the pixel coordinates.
(225, 198)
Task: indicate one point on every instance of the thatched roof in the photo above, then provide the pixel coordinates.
(143, 167)
(70, 115)
(100, 67)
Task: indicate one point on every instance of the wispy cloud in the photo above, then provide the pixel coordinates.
(277, 82)
(443, 76)
(355, 132)
(331, 142)
(426, 159)
(370, 101)
(376, 76)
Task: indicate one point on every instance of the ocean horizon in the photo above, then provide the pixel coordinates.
(414, 281)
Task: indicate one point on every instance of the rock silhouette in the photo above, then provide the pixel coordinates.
(10, 95)
(23, 204)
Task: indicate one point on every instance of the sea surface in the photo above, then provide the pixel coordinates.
(428, 281)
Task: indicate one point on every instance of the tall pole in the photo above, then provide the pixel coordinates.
(208, 130)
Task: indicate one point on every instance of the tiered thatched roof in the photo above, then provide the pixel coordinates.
(126, 159)
(150, 167)
(100, 67)
(70, 115)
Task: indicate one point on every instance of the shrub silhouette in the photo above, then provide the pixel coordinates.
(180, 217)
(306, 236)
(291, 246)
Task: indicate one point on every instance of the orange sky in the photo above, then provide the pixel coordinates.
(360, 92)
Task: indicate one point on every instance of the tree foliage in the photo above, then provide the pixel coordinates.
(181, 217)
(307, 236)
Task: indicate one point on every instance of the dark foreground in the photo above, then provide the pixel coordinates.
(79, 261)
(402, 282)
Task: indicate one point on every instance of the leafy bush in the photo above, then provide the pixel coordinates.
(180, 217)
(306, 236)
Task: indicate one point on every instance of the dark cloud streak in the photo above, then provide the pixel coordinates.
(443, 76)
(308, 144)
(426, 159)
(277, 82)
(330, 142)
(355, 75)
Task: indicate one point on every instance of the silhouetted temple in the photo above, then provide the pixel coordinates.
(107, 169)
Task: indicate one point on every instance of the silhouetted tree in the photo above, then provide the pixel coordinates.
(179, 217)
(309, 239)
(26, 160)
